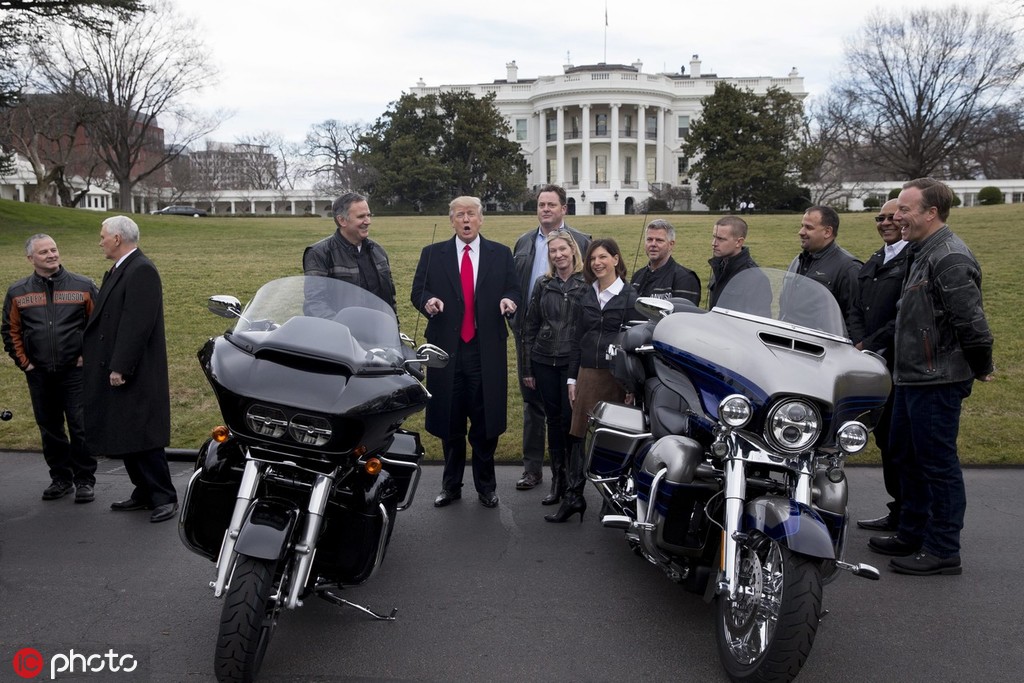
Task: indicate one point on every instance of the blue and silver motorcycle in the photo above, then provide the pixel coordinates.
(728, 474)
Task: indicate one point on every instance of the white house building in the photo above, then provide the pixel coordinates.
(608, 133)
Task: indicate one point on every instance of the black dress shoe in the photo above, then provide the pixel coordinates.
(923, 564)
(489, 499)
(892, 545)
(162, 513)
(129, 505)
(883, 523)
(446, 497)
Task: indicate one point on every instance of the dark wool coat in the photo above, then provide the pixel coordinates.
(437, 275)
(125, 333)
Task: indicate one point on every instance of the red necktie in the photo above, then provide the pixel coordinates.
(468, 326)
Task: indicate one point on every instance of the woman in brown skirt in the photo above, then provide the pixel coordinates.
(603, 309)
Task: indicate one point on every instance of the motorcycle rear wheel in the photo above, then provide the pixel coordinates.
(247, 620)
(767, 632)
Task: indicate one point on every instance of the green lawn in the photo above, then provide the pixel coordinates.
(201, 257)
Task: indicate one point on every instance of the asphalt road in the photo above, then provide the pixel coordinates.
(496, 595)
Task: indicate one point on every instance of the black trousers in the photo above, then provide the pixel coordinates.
(468, 404)
(152, 478)
(56, 397)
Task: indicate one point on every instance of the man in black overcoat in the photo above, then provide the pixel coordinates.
(127, 395)
(474, 385)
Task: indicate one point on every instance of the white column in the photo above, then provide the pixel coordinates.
(585, 153)
(659, 169)
(312, 206)
(292, 202)
(273, 207)
(21, 193)
(613, 171)
(540, 168)
(252, 206)
(641, 147)
(560, 146)
(232, 207)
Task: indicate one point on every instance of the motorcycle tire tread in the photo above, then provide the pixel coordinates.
(244, 627)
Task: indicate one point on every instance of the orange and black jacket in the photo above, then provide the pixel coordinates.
(43, 319)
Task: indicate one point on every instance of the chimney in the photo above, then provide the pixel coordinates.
(638, 65)
(695, 66)
(512, 72)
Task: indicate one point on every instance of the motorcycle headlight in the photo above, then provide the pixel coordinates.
(792, 425)
(309, 430)
(266, 421)
(852, 437)
(735, 410)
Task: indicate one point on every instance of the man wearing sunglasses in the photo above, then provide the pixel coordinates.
(880, 283)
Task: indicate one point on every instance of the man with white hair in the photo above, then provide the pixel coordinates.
(127, 393)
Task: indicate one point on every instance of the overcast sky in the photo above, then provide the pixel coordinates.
(287, 65)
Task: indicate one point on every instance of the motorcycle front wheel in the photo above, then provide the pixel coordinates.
(247, 621)
(766, 633)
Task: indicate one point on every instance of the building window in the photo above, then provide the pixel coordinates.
(684, 127)
(628, 174)
(574, 121)
(575, 170)
(601, 125)
(627, 123)
(652, 127)
(651, 172)
(552, 129)
(521, 130)
(551, 171)
(601, 168)
(683, 164)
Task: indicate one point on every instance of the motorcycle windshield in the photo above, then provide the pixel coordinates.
(783, 298)
(323, 319)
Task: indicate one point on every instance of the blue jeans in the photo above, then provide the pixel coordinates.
(925, 425)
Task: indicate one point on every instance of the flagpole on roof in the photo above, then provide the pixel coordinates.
(605, 31)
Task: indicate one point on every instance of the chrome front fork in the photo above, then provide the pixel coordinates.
(735, 493)
(251, 476)
(306, 547)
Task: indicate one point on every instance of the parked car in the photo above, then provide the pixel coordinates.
(180, 211)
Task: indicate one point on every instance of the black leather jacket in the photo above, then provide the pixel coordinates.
(596, 328)
(551, 321)
(942, 335)
(43, 319)
(334, 257)
(672, 280)
(522, 256)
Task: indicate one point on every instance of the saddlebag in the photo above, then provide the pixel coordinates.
(614, 434)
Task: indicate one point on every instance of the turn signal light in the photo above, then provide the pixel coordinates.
(220, 433)
(373, 466)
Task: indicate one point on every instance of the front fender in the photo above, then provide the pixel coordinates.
(267, 528)
(790, 523)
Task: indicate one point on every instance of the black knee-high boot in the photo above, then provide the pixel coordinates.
(558, 479)
(573, 501)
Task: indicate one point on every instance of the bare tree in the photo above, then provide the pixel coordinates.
(329, 147)
(273, 163)
(132, 75)
(917, 85)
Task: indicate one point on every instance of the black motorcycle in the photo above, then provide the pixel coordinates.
(297, 494)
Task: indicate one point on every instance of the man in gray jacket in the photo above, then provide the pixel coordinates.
(943, 343)
(349, 254)
(531, 261)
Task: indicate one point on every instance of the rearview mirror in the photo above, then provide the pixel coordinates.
(433, 356)
(225, 306)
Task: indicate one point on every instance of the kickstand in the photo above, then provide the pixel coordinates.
(342, 602)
